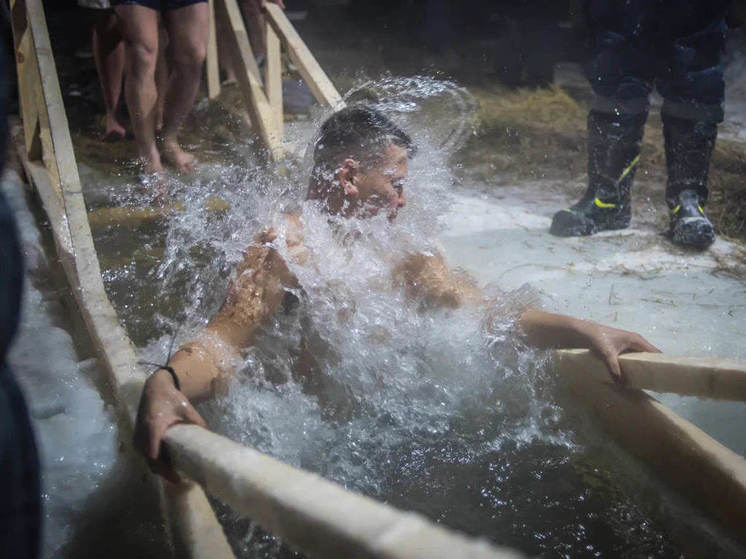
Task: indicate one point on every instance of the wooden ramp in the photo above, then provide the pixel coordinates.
(315, 515)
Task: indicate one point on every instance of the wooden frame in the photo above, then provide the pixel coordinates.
(688, 459)
(703, 377)
(211, 64)
(263, 100)
(309, 68)
(313, 514)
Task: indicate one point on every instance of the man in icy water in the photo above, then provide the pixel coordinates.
(360, 166)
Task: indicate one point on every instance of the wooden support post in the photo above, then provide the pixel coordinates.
(273, 75)
(317, 80)
(249, 78)
(314, 515)
(705, 377)
(28, 85)
(692, 462)
(213, 66)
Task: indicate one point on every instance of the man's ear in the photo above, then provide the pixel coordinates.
(346, 175)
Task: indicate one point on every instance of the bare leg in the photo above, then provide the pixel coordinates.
(161, 77)
(108, 52)
(140, 30)
(187, 33)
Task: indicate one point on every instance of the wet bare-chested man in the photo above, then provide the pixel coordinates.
(360, 164)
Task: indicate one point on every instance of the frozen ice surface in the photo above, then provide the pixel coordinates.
(75, 430)
(685, 303)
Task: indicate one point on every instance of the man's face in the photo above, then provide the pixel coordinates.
(381, 184)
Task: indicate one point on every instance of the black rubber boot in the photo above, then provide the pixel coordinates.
(613, 155)
(689, 146)
(689, 224)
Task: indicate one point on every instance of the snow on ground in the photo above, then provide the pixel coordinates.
(91, 494)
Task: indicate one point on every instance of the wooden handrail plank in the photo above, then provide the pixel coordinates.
(83, 270)
(53, 207)
(249, 78)
(313, 514)
(705, 377)
(27, 84)
(273, 75)
(320, 84)
(687, 458)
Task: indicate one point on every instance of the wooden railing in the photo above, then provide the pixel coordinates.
(263, 99)
(47, 156)
(685, 457)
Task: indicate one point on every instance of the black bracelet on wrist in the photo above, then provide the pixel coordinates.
(172, 373)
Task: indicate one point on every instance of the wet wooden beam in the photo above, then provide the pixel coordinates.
(273, 75)
(321, 86)
(314, 515)
(704, 377)
(132, 217)
(249, 78)
(212, 63)
(694, 464)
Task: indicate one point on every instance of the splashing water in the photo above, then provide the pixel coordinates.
(432, 410)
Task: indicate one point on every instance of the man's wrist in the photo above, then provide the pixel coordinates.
(163, 376)
(584, 332)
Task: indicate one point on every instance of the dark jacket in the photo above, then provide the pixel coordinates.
(20, 509)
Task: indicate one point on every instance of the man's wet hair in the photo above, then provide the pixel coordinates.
(360, 132)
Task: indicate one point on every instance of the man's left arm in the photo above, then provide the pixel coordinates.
(428, 277)
(548, 330)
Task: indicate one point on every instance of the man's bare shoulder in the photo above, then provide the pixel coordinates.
(426, 275)
(264, 253)
(293, 232)
(295, 239)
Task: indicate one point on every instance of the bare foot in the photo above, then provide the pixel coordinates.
(156, 183)
(177, 157)
(151, 164)
(153, 177)
(113, 131)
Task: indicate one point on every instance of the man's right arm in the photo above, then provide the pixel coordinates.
(255, 294)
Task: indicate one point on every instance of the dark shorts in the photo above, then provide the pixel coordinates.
(158, 5)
